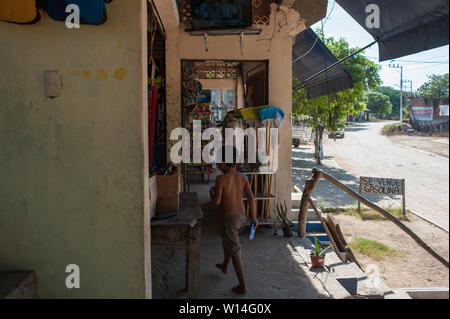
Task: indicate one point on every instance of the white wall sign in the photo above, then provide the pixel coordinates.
(422, 113)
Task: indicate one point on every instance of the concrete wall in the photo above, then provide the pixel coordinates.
(273, 44)
(73, 170)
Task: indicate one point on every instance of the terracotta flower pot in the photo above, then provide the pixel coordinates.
(317, 261)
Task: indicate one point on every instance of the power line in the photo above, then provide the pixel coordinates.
(411, 61)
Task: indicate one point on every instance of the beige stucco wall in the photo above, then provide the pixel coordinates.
(73, 170)
(273, 44)
(209, 84)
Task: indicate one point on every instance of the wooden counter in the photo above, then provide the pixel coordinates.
(184, 228)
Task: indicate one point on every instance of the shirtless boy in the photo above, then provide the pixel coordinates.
(227, 194)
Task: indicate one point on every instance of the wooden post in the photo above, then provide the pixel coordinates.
(359, 192)
(383, 212)
(310, 187)
(193, 261)
(404, 197)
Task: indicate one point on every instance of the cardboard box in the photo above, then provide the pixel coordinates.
(153, 196)
(168, 189)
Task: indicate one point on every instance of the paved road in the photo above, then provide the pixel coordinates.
(365, 152)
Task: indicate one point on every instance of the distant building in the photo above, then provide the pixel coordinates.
(430, 115)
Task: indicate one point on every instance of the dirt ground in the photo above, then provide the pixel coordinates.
(413, 267)
(436, 145)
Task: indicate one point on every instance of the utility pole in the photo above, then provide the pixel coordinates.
(397, 66)
(410, 86)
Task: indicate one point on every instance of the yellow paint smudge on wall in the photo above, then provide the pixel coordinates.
(120, 73)
(87, 74)
(102, 75)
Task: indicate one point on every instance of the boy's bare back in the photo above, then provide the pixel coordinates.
(229, 191)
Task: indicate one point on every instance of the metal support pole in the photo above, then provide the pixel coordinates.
(401, 95)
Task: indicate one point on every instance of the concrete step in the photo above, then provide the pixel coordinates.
(314, 226)
(311, 215)
(344, 280)
(322, 238)
(427, 293)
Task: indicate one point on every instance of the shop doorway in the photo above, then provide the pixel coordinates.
(210, 90)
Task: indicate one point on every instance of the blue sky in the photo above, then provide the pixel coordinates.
(416, 67)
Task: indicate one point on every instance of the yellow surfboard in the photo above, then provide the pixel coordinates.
(19, 11)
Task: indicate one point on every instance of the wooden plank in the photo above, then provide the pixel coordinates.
(331, 223)
(193, 262)
(324, 224)
(348, 250)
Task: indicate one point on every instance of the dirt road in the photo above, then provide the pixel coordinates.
(365, 152)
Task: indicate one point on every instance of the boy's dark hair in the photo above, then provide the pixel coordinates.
(232, 149)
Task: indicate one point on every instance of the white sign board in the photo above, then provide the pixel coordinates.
(378, 185)
(375, 185)
(443, 110)
(422, 113)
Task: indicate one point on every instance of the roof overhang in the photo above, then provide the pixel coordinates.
(310, 56)
(406, 26)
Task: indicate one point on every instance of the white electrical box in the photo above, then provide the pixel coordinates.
(53, 84)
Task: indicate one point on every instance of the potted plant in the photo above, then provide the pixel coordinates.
(285, 223)
(318, 254)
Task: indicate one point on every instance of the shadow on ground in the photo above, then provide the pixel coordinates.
(270, 265)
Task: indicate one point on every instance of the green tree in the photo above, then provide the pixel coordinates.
(437, 86)
(330, 112)
(379, 104)
(394, 97)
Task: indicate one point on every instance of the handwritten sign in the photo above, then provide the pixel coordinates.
(388, 186)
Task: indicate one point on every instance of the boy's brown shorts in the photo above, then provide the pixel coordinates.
(231, 226)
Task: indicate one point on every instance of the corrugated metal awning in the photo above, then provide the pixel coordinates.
(406, 26)
(310, 56)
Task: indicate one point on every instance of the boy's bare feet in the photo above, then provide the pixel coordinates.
(222, 267)
(239, 290)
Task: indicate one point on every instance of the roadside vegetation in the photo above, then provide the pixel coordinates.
(369, 214)
(373, 249)
(391, 129)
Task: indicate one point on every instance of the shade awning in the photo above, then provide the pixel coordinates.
(310, 56)
(406, 26)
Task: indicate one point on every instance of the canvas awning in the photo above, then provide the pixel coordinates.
(406, 26)
(310, 56)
